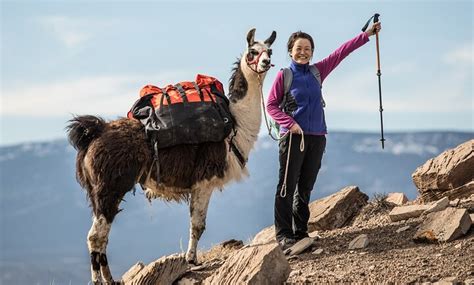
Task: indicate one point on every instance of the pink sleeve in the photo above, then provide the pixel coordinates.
(274, 99)
(328, 64)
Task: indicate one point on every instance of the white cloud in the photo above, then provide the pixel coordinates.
(101, 95)
(73, 32)
(460, 55)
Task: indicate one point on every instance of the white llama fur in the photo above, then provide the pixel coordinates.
(248, 116)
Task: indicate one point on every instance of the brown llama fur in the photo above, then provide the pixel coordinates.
(121, 156)
(114, 156)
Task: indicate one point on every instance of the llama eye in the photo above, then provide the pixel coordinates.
(269, 51)
(254, 52)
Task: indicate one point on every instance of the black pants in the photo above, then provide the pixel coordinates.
(292, 211)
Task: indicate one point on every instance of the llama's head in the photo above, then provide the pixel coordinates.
(258, 54)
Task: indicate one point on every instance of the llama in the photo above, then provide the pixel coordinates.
(114, 156)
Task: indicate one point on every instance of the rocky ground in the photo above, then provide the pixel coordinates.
(380, 233)
(389, 257)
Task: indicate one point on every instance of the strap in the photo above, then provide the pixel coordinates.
(181, 91)
(315, 71)
(287, 80)
(219, 94)
(376, 19)
(198, 90)
(165, 94)
(156, 159)
(210, 95)
(238, 154)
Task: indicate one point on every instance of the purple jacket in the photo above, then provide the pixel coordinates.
(307, 92)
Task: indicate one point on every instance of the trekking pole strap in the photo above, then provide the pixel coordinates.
(376, 19)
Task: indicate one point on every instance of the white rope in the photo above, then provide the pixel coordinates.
(283, 187)
(279, 138)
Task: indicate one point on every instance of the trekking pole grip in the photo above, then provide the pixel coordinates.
(376, 19)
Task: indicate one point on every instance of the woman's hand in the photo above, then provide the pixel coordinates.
(296, 129)
(375, 27)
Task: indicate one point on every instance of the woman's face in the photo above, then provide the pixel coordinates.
(301, 52)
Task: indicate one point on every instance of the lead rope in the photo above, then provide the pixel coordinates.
(283, 187)
(265, 115)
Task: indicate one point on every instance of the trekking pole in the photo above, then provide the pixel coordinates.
(376, 19)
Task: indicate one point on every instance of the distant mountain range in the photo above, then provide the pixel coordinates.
(45, 215)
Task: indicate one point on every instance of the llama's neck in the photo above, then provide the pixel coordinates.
(247, 111)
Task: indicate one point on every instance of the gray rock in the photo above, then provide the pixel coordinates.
(318, 251)
(396, 198)
(454, 203)
(361, 241)
(162, 271)
(444, 226)
(406, 212)
(402, 229)
(254, 264)
(447, 175)
(447, 281)
(437, 206)
(337, 210)
(300, 246)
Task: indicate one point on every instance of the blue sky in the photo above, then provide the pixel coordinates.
(92, 57)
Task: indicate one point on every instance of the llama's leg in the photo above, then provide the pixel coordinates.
(105, 210)
(97, 240)
(198, 211)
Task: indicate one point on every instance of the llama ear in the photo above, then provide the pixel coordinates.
(271, 39)
(250, 37)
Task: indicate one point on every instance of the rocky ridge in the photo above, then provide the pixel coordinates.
(388, 239)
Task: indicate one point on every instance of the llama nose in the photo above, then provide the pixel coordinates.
(266, 61)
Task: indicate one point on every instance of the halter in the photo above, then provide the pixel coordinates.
(255, 62)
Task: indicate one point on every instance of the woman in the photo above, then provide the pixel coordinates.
(303, 115)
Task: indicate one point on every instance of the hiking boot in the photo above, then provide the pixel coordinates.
(286, 243)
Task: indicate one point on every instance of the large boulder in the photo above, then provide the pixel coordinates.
(264, 236)
(254, 264)
(337, 210)
(162, 271)
(444, 226)
(407, 212)
(448, 175)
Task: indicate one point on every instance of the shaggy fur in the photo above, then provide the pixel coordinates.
(237, 84)
(114, 156)
(121, 156)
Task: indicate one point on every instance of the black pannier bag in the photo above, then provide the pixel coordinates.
(184, 113)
